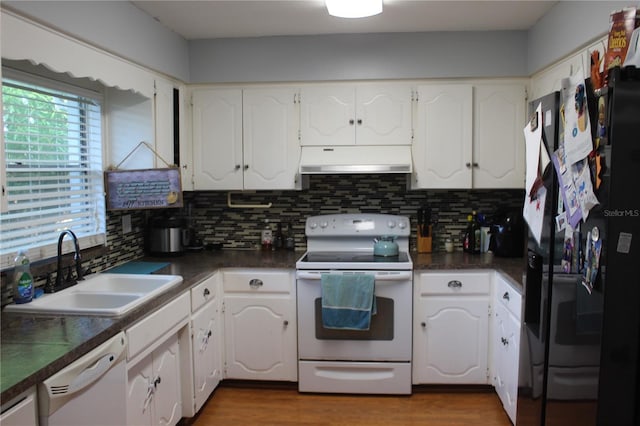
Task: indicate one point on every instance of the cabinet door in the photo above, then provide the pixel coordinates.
(270, 132)
(260, 338)
(206, 352)
(442, 146)
(498, 143)
(21, 410)
(217, 139)
(451, 340)
(140, 392)
(167, 399)
(153, 387)
(327, 115)
(384, 115)
(506, 357)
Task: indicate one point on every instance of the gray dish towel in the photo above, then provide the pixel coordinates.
(347, 301)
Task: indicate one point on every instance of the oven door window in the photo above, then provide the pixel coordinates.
(381, 324)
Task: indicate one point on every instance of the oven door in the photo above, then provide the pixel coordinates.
(389, 337)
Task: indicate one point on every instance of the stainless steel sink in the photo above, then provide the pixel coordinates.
(101, 294)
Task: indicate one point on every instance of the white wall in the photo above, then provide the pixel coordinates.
(120, 27)
(117, 27)
(569, 25)
(359, 56)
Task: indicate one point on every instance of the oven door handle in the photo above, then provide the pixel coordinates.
(379, 276)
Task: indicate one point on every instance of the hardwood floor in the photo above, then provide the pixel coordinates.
(232, 405)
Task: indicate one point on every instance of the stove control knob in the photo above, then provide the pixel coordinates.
(402, 225)
(324, 225)
(313, 225)
(391, 224)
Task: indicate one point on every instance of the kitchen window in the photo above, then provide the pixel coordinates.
(53, 156)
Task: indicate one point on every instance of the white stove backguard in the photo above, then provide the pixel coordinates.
(355, 231)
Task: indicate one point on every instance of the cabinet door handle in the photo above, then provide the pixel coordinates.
(468, 165)
(237, 166)
(359, 121)
(454, 284)
(423, 324)
(475, 164)
(286, 323)
(206, 292)
(246, 167)
(352, 121)
(255, 283)
(505, 296)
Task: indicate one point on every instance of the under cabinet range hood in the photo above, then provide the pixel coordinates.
(355, 159)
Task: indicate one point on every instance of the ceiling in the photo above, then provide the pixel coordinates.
(239, 18)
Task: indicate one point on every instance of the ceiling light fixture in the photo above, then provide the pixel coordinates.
(353, 8)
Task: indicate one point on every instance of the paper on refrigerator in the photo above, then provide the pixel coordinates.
(577, 130)
(537, 161)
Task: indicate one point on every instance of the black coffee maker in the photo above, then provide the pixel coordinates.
(507, 234)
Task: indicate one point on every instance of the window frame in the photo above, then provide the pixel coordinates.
(90, 91)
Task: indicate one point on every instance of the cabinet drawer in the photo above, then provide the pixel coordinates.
(154, 326)
(258, 281)
(448, 283)
(508, 296)
(203, 292)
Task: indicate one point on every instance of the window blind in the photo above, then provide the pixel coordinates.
(53, 155)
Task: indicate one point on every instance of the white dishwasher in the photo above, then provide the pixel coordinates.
(89, 391)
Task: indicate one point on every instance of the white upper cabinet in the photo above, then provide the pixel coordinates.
(370, 114)
(245, 139)
(498, 140)
(442, 149)
(469, 136)
(217, 138)
(270, 129)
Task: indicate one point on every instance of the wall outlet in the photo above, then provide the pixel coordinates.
(126, 223)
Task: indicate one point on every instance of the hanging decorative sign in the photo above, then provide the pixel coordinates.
(143, 189)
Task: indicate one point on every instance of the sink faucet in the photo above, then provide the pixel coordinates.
(61, 283)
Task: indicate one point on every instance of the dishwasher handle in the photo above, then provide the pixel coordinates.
(55, 391)
(92, 373)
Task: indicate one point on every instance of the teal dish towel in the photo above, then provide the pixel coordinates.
(347, 301)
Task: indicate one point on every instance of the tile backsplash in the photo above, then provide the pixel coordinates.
(215, 222)
(239, 228)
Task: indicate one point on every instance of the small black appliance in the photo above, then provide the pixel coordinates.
(507, 234)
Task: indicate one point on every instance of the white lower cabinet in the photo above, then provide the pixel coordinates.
(154, 384)
(205, 340)
(21, 410)
(451, 328)
(260, 336)
(506, 344)
(153, 387)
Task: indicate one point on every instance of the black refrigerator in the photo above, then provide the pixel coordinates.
(580, 344)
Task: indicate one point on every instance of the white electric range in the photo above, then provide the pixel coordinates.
(377, 360)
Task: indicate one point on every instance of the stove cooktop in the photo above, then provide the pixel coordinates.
(348, 257)
(352, 260)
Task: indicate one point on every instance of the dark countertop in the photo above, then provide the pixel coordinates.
(33, 347)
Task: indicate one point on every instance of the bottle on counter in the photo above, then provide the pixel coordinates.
(266, 236)
(467, 238)
(23, 281)
(278, 238)
(477, 233)
(290, 242)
